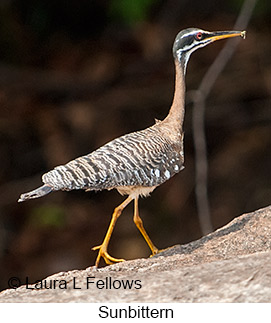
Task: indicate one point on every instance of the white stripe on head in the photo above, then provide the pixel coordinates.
(193, 33)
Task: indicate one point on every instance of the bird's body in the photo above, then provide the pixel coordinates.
(136, 163)
(142, 159)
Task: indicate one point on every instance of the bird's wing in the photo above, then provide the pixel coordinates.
(142, 158)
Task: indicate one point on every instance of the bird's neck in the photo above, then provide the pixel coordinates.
(176, 112)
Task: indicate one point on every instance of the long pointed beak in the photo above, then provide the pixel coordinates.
(217, 35)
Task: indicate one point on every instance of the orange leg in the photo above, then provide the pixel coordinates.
(103, 247)
(139, 223)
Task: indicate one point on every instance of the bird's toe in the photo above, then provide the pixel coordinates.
(105, 255)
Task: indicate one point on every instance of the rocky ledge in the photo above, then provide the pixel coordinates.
(232, 264)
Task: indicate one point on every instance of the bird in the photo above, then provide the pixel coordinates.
(138, 162)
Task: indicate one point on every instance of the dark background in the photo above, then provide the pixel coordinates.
(76, 74)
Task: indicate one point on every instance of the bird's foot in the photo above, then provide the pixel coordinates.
(105, 255)
(155, 251)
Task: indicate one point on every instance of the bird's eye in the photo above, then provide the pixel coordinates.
(199, 36)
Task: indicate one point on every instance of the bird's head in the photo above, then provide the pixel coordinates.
(191, 39)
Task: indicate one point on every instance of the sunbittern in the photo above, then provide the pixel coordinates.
(136, 163)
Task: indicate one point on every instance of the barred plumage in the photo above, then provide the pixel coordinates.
(145, 158)
(136, 163)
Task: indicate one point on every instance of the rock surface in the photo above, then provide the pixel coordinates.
(232, 264)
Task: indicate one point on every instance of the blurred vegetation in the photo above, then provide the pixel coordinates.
(262, 9)
(130, 12)
(51, 216)
(76, 74)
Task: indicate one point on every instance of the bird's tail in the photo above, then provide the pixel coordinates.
(38, 192)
